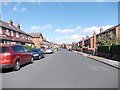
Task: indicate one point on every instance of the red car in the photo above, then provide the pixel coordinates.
(13, 56)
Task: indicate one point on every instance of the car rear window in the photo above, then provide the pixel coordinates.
(33, 50)
(48, 48)
(4, 49)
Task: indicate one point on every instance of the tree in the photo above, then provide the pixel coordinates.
(108, 39)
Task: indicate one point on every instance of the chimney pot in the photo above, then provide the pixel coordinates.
(101, 29)
(11, 23)
(18, 26)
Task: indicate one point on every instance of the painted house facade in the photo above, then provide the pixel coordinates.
(10, 34)
(38, 39)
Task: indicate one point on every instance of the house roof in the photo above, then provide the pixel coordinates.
(14, 28)
(109, 29)
(35, 35)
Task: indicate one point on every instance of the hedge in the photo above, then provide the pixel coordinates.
(29, 47)
(104, 49)
(115, 49)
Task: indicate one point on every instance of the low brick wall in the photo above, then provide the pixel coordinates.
(104, 54)
(116, 57)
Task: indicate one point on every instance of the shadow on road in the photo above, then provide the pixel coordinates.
(7, 70)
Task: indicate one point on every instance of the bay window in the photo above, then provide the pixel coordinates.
(7, 32)
(17, 34)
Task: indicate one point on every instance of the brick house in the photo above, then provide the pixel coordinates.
(38, 39)
(91, 42)
(10, 34)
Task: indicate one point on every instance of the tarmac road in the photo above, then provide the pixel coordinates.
(62, 69)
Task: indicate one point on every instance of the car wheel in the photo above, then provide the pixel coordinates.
(32, 60)
(44, 56)
(16, 66)
(39, 57)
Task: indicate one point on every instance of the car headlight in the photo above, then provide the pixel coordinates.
(36, 55)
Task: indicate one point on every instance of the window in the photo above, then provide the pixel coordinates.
(12, 33)
(22, 36)
(19, 49)
(7, 32)
(26, 37)
(4, 49)
(0, 30)
(29, 38)
(111, 34)
(17, 34)
(40, 39)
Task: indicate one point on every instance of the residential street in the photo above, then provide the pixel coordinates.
(62, 69)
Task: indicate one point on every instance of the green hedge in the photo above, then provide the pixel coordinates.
(103, 49)
(115, 49)
(84, 47)
(29, 47)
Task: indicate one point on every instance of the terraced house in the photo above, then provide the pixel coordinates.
(10, 34)
(91, 42)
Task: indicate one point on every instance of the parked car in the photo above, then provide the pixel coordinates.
(49, 51)
(69, 49)
(41, 51)
(37, 54)
(13, 56)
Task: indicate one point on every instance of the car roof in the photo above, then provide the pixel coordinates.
(10, 45)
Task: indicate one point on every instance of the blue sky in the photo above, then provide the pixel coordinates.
(62, 22)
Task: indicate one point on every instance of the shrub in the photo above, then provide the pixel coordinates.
(29, 47)
(84, 47)
(104, 49)
(115, 49)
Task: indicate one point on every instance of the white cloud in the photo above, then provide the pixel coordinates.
(87, 31)
(65, 30)
(69, 39)
(15, 9)
(5, 3)
(78, 28)
(68, 30)
(75, 37)
(18, 8)
(43, 27)
(90, 30)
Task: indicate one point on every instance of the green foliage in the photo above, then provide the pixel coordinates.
(84, 47)
(76, 47)
(29, 47)
(108, 39)
(115, 49)
(104, 49)
(109, 49)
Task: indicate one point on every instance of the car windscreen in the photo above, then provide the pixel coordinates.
(34, 50)
(48, 48)
(4, 49)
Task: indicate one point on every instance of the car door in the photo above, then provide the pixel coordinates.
(23, 54)
(28, 54)
(19, 53)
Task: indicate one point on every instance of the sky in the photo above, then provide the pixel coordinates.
(61, 22)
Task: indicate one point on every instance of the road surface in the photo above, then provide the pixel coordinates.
(63, 69)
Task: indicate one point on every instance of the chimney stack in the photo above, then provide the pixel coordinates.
(87, 37)
(18, 26)
(11, 23)
(82, 41)
(101, 30)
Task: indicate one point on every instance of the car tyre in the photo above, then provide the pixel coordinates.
(32, 60)
(39, 57)
(16, 66)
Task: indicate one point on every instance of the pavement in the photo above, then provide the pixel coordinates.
(62, 69)
(104, 60)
